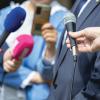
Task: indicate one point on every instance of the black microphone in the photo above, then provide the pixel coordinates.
(70, 25)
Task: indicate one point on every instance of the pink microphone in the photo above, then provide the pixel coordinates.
(22, 47)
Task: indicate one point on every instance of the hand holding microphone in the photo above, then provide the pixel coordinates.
(70, 26)
(21, 49)
(9, 64)
(87, 39)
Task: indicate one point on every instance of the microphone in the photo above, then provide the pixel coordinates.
(70, 26)
(22, 47)
(12, 22)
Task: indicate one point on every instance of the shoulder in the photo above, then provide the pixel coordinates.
(57, 7)
(57, 13)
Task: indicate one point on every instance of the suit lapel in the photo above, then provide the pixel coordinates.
(61, 51)
(61, 57)
(90, 7)
(60, 44)
(75, 5)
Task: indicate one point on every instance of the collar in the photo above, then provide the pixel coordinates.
(98, 1)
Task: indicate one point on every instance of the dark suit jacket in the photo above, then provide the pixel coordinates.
(87, 74)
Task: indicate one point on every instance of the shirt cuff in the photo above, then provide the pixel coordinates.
(50, 60)
(47, 70)
(27, 81)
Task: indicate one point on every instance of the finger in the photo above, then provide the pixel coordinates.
(49, 39)
(48, 31)
(83, 48)
(81, 39)
(95, 45)
(68, 45)
(12, 65)
(67, 41)
(77, 34)
(8, 68)
(50, 35)
(1, 50)
(47, 26)
(7, 55)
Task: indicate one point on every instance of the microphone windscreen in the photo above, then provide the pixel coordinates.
(22, 46)
(14, 19)
(69, 17)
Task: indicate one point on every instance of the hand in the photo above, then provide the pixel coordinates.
(37, 78)
(49, 33)
(88, 40)
(9, 64)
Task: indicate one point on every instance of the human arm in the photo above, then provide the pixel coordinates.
(87, 39)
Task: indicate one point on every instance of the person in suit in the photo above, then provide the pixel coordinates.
(86, 73)
(87, 39)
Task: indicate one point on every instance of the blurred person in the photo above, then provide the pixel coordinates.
(80, 82)
(87, 39)
(29, 72)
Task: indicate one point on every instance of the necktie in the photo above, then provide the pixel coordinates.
(80, 5)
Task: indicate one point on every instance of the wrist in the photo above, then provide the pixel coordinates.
(50, 52)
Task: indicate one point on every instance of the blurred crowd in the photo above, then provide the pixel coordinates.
(48, 73)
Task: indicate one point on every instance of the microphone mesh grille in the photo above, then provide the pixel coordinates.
(69, 17)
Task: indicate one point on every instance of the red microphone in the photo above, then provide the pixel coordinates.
(22, 47)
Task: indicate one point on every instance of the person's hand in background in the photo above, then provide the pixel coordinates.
(49, 33)
(88, 40)
(9, 64)
(37, 78)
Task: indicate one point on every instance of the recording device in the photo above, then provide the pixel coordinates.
(42, 14)
(70, 25)
(12, 22)
(22, 47)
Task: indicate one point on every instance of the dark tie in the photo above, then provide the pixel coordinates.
(80, 5)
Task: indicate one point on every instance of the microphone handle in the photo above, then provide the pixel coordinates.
(71, 27)
(3, 37)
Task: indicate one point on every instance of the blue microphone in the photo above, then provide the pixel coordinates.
(12, 22)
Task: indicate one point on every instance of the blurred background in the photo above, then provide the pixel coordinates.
(4, 3)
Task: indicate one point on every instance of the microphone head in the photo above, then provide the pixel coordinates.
(14, 19)
(23, 46)
(69, 17)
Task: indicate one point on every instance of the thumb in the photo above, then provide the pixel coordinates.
(77, 34)
(96, 45)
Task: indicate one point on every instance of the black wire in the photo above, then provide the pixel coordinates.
(73, 78)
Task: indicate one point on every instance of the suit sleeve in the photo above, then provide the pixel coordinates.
(45, 68)
(92, 89)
